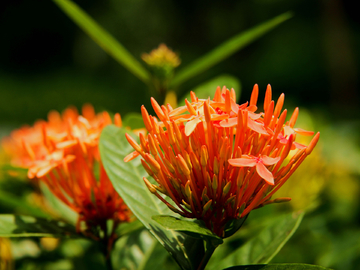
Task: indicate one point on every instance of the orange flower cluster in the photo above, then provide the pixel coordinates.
(218, 160)
(63, 153)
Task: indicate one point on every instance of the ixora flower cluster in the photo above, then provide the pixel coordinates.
(63, 153)
(218, 160)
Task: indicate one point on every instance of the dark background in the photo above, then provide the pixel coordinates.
(47, 62)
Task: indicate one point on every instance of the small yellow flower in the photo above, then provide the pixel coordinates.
(161, 57)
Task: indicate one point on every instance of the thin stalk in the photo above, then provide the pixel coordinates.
(210, 248)
(105, 247)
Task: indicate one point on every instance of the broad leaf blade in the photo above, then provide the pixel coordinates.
(107, 42)
(196, 229)
(139, 251)
(278, 266)
(264, 246)
(226, 49)
(127, 179)
(26, 226)
(207, 89)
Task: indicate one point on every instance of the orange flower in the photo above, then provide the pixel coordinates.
(218, 160)
(63, 153)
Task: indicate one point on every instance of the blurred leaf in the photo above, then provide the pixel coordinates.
(226, 49)
(196, 229)
(264, 246)
(21, 205)
(107, 42)
(139, 251)
(208, 88)
(133, 120)
(15, 172)
(127, 179)
(128, 227)
(278, 266)
(56, 205)
(27, 226)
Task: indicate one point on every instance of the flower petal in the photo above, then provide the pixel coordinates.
(229, 122)
(303, 132)
(269, 160)
(191, 125)
(264, 173)
(242, 162)
(255, 126)
(299, 145)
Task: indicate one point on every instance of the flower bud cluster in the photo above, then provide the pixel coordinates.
(218, 160)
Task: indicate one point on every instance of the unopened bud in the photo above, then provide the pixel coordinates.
(149, 186)
(206, 207)
(281, 200)
(312, 143)
(226, 189)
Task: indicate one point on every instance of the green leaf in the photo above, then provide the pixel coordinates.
(21, 205)
(226, 49)
(128, 227)
(263, 247)
(133, 120)
(127, 179)
(195, 228)
(138, 251)
(27, 226)
(107, 42)
(278, 266)
(208, 88)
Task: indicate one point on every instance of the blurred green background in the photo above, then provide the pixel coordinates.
(47, 62)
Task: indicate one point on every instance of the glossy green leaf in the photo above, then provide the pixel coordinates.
(278, 266)
(263, 246)
(107, 42)
(127, 179)
(208, 88)
(27, 226)
(226, 49)
(133, 121)
(139, 251)
(195, 228)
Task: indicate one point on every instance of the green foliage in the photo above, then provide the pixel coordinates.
(278, 266)
(262, 247)
(107, 42)
(133, 121)
(57, 206)
(193, 228)
(226, 49)
(20, 205)
(127, 179)
(139, 251)
(27, 226)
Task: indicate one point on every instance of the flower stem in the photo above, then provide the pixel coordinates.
(210, 248)
(106, 247)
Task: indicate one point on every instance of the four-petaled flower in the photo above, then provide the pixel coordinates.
(259, 162)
